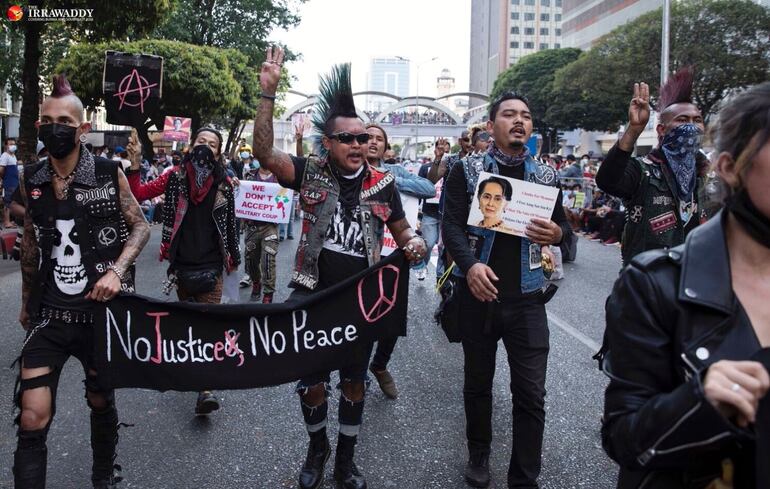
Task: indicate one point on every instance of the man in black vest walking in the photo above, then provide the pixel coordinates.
(83, 231)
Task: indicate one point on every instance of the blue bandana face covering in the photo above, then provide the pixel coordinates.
(680, 146)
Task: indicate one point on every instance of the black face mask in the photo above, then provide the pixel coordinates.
(59, 139)
(749, 217)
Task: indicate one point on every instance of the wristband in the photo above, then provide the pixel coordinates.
(121, 275)
(269, 97)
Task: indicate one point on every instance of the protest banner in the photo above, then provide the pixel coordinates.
(176, 129)
(507, 205)
(411, 207)
(263, 201)
(132, 86)
(185, 346)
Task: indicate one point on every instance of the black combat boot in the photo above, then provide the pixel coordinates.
(29, 460)
(104, 440)
(477, 470)
(312, 474)
(346, 473)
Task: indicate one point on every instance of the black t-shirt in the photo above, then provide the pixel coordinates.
(343, 253)
(67, 283)
(198, 242)
(505, 258)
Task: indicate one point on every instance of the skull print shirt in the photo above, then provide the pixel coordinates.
(67, 283)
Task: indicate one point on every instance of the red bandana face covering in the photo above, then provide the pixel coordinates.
(199, 168)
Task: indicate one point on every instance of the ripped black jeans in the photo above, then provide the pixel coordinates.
(49, 344)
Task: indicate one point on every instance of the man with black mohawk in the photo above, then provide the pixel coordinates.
(82, 232)
(662, 190)
(345, 202)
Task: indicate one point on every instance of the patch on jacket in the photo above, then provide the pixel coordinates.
(664, 222)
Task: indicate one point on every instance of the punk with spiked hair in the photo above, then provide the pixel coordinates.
(346, 204)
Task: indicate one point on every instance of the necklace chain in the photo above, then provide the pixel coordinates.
(65, 180)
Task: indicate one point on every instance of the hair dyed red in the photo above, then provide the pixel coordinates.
(61, 87)
(677, 89)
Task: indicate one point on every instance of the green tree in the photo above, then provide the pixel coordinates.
(727, 41)
(243, 25)
(198, 81)
(533, 77)
(239, 24)
(122, 18)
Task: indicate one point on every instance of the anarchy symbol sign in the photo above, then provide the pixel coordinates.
(107, 236)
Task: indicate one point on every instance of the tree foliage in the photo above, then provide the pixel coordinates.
(727, 41)
(46, 42)
(239, 24)
(532, 77)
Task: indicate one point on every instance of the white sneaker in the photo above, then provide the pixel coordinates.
(422, 273)
(245, 282)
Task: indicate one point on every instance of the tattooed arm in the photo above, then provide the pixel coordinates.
(30, 259)
(276, 161)
(408, 240)
(109, 285)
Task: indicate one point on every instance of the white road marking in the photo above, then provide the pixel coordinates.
(574, 332)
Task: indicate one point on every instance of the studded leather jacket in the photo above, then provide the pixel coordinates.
(672, 314)
(655, 216)
(223, 215)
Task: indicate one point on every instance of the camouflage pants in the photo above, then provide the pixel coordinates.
(261, 248)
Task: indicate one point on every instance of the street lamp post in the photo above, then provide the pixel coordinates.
(664, 42)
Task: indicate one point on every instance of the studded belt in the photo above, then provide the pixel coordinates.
(65, 316)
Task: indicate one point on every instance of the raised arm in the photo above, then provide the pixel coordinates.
(278, 162)
(616, 176)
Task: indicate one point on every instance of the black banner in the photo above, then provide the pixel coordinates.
(132, 86)
(141, 342)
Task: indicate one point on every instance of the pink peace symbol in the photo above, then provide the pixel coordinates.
(383, 304)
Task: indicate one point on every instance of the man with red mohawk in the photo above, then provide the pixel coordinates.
(82, 233)
(662, 190)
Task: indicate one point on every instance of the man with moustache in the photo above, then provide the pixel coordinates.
(82, 232)
(664, 191)
(345, 202)
(501, 296)
(408, 184)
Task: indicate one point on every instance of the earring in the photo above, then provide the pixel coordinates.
(83, 139)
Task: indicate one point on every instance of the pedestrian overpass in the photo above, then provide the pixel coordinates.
(405, 133)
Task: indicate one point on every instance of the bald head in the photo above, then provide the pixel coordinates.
(63, 110)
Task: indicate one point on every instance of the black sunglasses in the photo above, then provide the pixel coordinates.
(347, 138)
(484, 136)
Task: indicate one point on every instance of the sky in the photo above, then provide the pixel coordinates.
(337, 31)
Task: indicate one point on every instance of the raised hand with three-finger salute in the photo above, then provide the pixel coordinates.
(270, 74)
(638, 116)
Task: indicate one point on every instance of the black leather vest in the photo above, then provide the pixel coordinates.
(94, 195)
